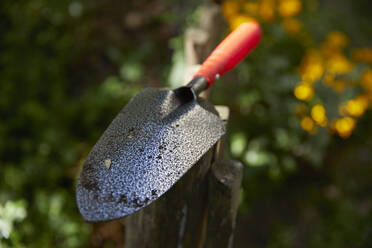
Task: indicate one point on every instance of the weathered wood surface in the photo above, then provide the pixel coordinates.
(198, 211)
(175, 219)
(200, 41)
(223, 198)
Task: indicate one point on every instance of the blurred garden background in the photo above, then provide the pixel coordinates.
(300, 112)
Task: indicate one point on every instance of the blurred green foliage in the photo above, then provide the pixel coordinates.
(299, 189)
(66, 69)
(64, 75)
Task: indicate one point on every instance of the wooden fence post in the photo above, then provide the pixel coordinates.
(200, 209)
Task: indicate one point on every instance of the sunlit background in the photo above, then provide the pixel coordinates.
(300, 112)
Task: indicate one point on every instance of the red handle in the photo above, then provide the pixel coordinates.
(230, 51)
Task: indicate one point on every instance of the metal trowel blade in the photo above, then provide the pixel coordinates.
(155, 139)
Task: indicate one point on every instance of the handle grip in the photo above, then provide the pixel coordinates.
(230, 51)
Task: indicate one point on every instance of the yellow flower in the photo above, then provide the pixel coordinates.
(362, 55)
(312, 66)
(288, 8)
(236, 20)
(366, 80)
(304, 91)
(356, 107)
(313, 72)
(339, 64)
(318, 113)
(307, 124)
(337, 40)
(292, 25)
(345, 126)
(230, 8)
(334, 43)
(266, 10)
(251, 8)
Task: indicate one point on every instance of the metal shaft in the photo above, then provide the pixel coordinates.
(198, 84)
